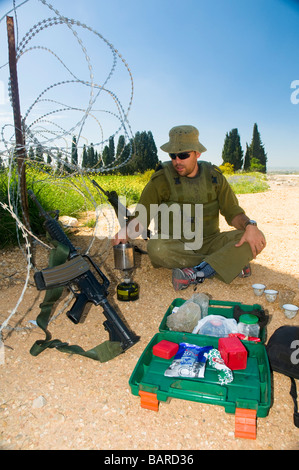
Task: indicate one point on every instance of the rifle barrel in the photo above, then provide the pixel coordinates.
(53, 227)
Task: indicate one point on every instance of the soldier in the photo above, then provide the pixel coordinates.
(187, 181)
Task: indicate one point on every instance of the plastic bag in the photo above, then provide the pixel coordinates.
(184, 318)
(189, 361)
(216, 325)
(202, 300)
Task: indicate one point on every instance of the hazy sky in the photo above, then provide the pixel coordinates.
(215, 64)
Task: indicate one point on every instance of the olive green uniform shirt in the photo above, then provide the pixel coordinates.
(157, 191)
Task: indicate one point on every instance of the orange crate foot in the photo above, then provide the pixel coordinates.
(245, 423)
(149, 401)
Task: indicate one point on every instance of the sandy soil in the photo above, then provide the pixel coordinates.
(57, 401)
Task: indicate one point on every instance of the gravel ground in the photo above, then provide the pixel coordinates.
(56, 401)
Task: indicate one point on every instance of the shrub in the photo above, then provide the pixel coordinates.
(227, 168)
(255, 165)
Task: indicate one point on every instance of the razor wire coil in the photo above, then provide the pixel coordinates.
(37, 134)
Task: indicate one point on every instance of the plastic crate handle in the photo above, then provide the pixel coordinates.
(227, 303)
(198, 390)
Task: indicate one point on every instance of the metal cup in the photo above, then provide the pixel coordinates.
(124, 256)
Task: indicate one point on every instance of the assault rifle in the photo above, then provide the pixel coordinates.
(75, 273)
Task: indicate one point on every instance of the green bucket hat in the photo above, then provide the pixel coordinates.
(183, 139)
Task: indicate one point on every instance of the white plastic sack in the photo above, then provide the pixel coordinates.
(216, 325)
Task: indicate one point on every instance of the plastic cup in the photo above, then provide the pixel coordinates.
(290, 310)
(258, 289)
(271, 295)
(286, 297)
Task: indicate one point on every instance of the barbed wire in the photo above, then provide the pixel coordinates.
(43, 133)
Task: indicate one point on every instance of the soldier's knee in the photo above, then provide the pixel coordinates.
(157, 252)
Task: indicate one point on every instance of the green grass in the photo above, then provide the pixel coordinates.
(248, 182)
(71, 195)
(74, 195)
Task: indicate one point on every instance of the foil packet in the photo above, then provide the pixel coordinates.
(189, 361)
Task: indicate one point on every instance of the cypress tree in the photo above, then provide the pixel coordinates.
(96, 158)
(247, 158)
(257, 150)
(106, 156)
(120, 146)
(144, 152)
(122, 155)
(65, 166)
(91, 159)
(142, 147)
(31, 153)
(39, 153)
(232, 151)
(84, 157)
(74, 158)
(153, 159)
(111, 149)
(49, 159)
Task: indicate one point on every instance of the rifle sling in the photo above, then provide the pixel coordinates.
(102, 353)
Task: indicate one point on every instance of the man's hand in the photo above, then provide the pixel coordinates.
(255, 238)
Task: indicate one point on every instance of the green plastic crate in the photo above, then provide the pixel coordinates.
(216, 307)
(250, 389)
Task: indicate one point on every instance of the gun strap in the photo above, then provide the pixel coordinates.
(103, 352)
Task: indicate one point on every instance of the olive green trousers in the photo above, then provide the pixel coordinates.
(218, 250)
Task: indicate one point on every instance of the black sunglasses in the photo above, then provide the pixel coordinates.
(181, 156)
